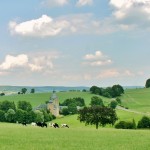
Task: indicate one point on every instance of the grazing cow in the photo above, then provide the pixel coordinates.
(55, 125)
(44, 124)
(33, 124)
(41, 124)
(64, 126)
(24, 124)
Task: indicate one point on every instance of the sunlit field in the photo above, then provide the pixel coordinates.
(16, 137)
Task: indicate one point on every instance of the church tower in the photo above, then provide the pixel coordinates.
(53, 104)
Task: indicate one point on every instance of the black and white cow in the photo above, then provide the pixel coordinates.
(64, 126)
(55, 125)
(24, 123)
(41, 124)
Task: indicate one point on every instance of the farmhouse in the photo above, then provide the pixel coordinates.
(53, 104)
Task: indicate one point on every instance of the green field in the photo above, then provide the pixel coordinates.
(40, 98)
(79, 136)
(18, 137)
(137, 99)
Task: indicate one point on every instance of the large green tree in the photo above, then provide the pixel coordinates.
(97, 115)
(147, 84)
(117, 90)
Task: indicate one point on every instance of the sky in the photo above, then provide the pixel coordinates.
(74, 42)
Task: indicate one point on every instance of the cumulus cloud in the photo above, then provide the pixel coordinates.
(37, 62)
(132, 12)
(44, 26)
(54, 3)
(70, 24)
(84, 2)
(14, 61)
(97, 59)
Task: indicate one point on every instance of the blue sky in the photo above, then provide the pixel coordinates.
(74, 42)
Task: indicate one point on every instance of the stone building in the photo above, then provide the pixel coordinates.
(53, 104)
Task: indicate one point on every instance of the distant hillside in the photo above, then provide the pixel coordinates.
(39, 89)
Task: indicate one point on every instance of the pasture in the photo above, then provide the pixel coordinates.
(18, 137)
(78, 136)
(137, 99)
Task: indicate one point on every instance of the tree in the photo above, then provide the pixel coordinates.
(39, 116)
(97, 115)
(23, 90)
(118, 100)
(144, 122)
(117, 90)
(2, 116)
(24, 105)
(95, 100)
(10, 115)
(72, 108)
(6, 105)
(147, 84)
(113, 104)
(32, 91)
(95, 90)
(65, 111)
(2, 94)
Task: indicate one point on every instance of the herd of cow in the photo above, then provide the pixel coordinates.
(44, 124)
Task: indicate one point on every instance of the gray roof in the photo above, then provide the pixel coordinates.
(53, 97)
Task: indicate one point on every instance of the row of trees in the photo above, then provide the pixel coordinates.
(71, 105)
(24, 90)
(21, 113)
(110, 92)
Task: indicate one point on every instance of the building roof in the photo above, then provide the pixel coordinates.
(53, 97)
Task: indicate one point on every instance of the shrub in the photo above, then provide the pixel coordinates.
(144, 122)
(125, 125)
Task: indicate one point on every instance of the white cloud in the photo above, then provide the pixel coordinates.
(44, 26)
(97, 59)
(132, 12)
(14, 61)
(84, 2)
(70, 24)
(97, 55)
(37, 62)
(54, 3)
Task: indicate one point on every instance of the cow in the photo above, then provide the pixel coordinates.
(64, 126)
(24, 123)
(41, 124)
(55, 125)
(44, 124)
(33, 124)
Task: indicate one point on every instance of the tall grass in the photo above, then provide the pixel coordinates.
(18, 137)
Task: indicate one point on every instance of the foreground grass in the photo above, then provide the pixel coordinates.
(16, 137)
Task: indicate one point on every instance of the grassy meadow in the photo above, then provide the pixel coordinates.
(78, 136)
(16, 137)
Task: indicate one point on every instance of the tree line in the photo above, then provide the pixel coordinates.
(22, 113)
(110, 92)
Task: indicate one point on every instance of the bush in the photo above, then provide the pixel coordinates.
(144, 122)
(125, 125)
